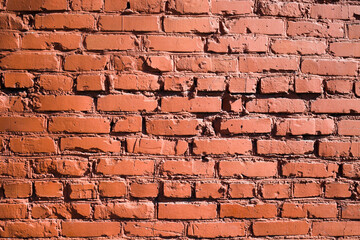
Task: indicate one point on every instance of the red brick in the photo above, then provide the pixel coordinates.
(257, 26)
(61, 211)
(351, 170)
(275, 191)
(302, 47)
(65, 21)
(290, 9)
(160, 63)
(191, 24)
(30, 61)
(251, 125)
(172, 127)
(354, 31)
(18, 80)
(155, 146)
(79, 125)
(90, 229)
(136, 82)
(53, 103)
(216, 229)
(305, 126)
(350, 211)
(284, 147)
(8, 211)
(129, 23)
(12, 104)
(178, 83)
(236, 105)
(241, 190)
(185, 104)
(308, 85)
(209, 190)
(309, 169)
(90, 144)
(144, 190)
(29, 229)
(36, 5)
(307, 189)
(247, 168)
(127, 63)
(207, 64)
(337, 149)
(126, 103)
(48, 189)
(298, 210)
(90, 83)
(191, 167)
(174, 44)
(349, 127)
(275, 228)
(85, 62)
(187, 210)
(337, 190)
(174, 189)
(150, 6)
(109, 42)
(50, 41)
(154, 229)
(340, 229)
(280, 84)
(125, 167)
(345, 49)
(242, 85)
(28, 145)
(112, 189)
(190, 6)
(87, 5)
(357, 89)
(329, 67)
(222, 146)
(11, 21)
(62, 167)
(339, 86)
(238, 44)
(138, 210)
(210, 84)
(55, 82)
(22, 124)
(329, 11)
(13, 168)
(82, 190)
(236, 210)
(335, 106)
(17, 189)
(128, 124)
(276, 105)
(9, 41)
(231, 7)
(261, 64)
(312, 29)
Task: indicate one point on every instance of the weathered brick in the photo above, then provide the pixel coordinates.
(129, 23)
(64, 21)
(175, 44)
(187, 210)
(247, 169)
(257, 26)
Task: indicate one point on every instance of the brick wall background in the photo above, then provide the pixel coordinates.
(179, 119)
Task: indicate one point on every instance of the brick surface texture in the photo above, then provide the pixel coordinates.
(180, 119)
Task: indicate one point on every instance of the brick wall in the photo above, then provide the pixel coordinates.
(179, 119)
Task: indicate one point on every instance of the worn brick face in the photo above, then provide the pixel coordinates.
(181, 119)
